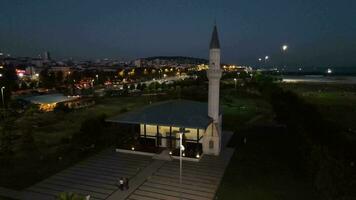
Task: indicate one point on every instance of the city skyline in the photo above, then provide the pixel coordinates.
(318, 33)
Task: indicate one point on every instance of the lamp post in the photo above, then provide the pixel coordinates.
(3, 100)
(284, 51)
(235, 80)
(284, 48)
(266, 58)
(181, 132)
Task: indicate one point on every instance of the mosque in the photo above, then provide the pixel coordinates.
(160, 123)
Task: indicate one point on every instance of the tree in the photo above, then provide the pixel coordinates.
(126, 89)
(27, 141)
(46, 78)
(152, 86)
(143, 86)
(164, 86)
(69, 196)
(61, 107)
(132, 86)
(139, 86)
(7, 138)
(59, 78)
(9, 81)
(90, 131)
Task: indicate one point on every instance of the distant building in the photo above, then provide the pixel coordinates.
(138, 63)
(37, 62)
(49, 102)
(64, 69)
(46, 56)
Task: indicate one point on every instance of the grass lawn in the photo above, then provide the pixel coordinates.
(264, 168)
(237, 110)
(336, 102)
(51, 132)
(49, 128)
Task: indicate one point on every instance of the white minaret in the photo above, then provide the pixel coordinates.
(214, 74)
(212, 137)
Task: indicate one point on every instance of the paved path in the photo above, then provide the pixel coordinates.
(138, 180)
(96, 176)
(200, 180)
(149, 178)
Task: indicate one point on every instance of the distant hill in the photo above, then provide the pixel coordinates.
(179, 59)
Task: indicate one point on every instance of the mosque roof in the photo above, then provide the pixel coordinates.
(177, 113)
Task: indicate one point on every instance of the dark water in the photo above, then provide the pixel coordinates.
(322, 70)
(319, 79)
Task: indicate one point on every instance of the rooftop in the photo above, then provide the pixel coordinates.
(178, 113)
(49, 99)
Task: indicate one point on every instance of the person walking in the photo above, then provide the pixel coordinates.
(245, 140)
(126, 183)
(121, 183)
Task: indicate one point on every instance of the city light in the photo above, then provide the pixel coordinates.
(285, 47)
(266, 57)
(0, 75)
(329, 71)
(260, 59)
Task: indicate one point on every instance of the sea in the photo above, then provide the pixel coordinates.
(342, 75)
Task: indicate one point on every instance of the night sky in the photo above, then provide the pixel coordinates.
(318, 32)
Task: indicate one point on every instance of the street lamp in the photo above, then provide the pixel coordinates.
(284, 51)
(266, 60)
(235, 80)
(284, 48)
(2, 97)
(181, 132)
(329, 71)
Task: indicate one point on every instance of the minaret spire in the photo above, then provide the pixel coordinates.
(214, 43)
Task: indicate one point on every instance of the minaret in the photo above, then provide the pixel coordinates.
(214, 74)
(213, 133)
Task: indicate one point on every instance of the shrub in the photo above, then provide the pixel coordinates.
(90, 131)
